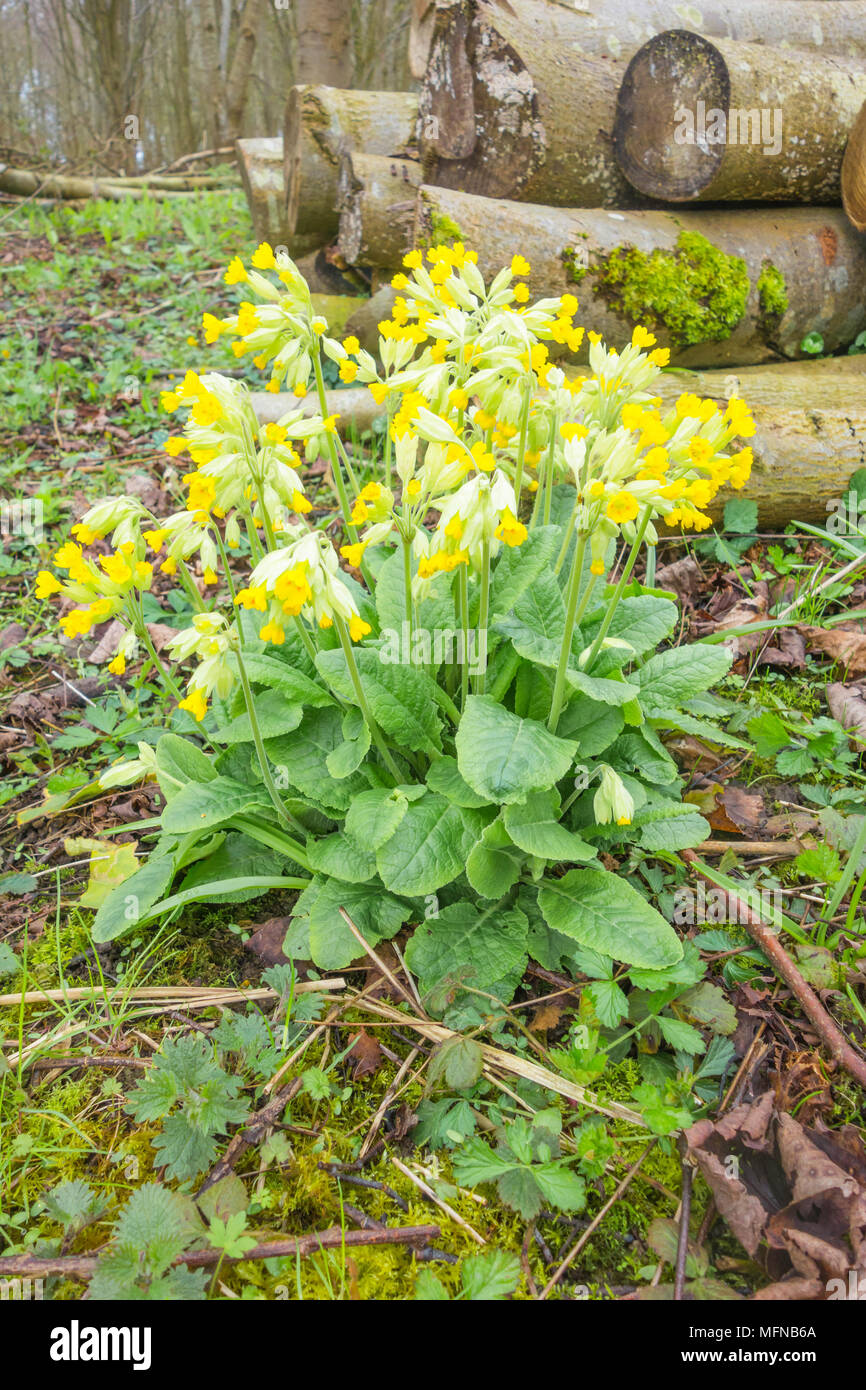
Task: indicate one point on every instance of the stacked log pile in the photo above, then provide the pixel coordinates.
(577, 136)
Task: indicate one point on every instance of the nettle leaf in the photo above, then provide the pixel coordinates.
(279, 676)
(275, 715)
(178, 761)
(374, 815)
(503, 757)
(377, 915)
(601, 910)
(595, 726)
(495, 863)
(480, 946)
(444, 777)
(340, 856)
(669, 678)
(519, 567)
(609, 1001)
(534, 826)
(202, 805)
(431, 848)
(490, 1277)
(401, 697)
(303, 755)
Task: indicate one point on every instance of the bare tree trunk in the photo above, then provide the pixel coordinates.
(238, 81)
(324, 42)
(210, 78)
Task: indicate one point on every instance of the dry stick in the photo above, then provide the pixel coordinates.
(334, 1237)
(443, 1206)
(597, 1220)
(262, 1122)
(683, 1234)
(778, 849)
(389, 975)
(830, 1034)
(182, 993)
(386, 1101)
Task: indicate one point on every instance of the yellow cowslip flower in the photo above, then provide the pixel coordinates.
(413, 260)
(175, 444)
(351, 344)
(597, 567)
(520, 265)
(521, 293)
(300, 503)
(641, 337)
(660, 357)
(358, 628)
(570, 430)
(354, 553)
(118, 665)
(276, 434)
(236, 272)
(401, 282)
(700, 450)
(622, 506)
(632, 415)
(169, 400)
(213, 327)
(348, 370)
(292, 589)
(248, 319)
(47, 584)
(255, 597)
(263, 257)
(272, 632)
(739, 417)
(207, 410)
(196, 704)
(510, 530)
(116, 568)
(378, 390)
(299, 389)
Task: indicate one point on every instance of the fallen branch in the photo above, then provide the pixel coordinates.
(830, 1034)
(334, 1237)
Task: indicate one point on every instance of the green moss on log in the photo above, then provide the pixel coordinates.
(697, 292)
(576, 262)
(772, 294)
(443, 229)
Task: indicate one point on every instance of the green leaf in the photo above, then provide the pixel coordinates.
(401, 697)
(707, 1004)
(347, 757)
(303, 755)
(374, 816)
(644, 622)
(460, 1061)
(376, 914)
(490, 1277)
(503, 757)
(131, 901)
(680, 1035)
(340, 856)
(741, 516)
(274, 716)
(431, 847)
(594, 725)
(519, 567)
(603, 911)
(444, 777)
(479, 946)
(178, 761)
(671, 677)
(202, 805)
(240, 857)
(278, 675)
(494, 864)
(535, 827)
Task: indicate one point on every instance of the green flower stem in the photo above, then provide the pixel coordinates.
(355, 676)
(256, 551)
(548, 481)
(226, 571)
(545, 477)
(650, 576)
(483, 614)
(521, 447)
(563, 549)
(407, 581)
(558, 698)
(618, 591)
(136, 614)
(192, 592)
(388, 448)
(464, 624)
(274, 839)
(284, 816)
(336, 467)
(309, 645)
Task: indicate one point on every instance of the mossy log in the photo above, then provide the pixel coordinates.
(810, 420)
(722, 121)
(376, 202)
(519, 97)
(838, 28)
(261, 164)
(321, 124)
(717, 287)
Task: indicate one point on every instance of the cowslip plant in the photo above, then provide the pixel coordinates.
(454, 719)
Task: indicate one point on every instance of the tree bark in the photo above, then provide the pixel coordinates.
(321, 123)
(376, 203)
(324, 50)
(810, 434)
(727, 121)
(238, 79)
(261, 167)
(715, 286)
(838, 28)
(854, 173)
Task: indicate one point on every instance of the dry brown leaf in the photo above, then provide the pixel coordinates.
(684, 578)
(848, 648)
(548, 1015)
(366, 1055)
(847, 704)
(739, 812)
(267, 940)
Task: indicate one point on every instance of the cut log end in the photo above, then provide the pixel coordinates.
(655, 140)
(854, 173)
